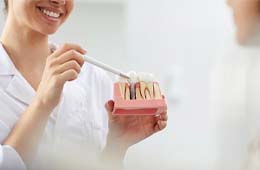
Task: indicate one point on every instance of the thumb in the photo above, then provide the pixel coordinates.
(110, 106)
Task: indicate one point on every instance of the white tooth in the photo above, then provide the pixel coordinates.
(133, 76)
(53, 14)
(157, 91)
(122, 79)
(141, 77)
(122, 84)
(133, 80)
(138, 94)
(146, 85)
(149, 84)
(151, 78)
(127, 92)
(50, 13)
(122, 87)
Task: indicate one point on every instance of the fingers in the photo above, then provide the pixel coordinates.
(161, 122)
(67, 47)
(68, 75)
(109, 105)
(70, 65)
(70, 55)
(65, 63)
(163, 116)
(61, 66)
(65, 57)
(160, 125)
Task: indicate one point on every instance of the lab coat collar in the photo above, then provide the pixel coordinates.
(18, 87)
(21, 89)
(7, 66)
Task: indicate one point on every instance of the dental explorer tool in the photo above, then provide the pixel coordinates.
(105, 66)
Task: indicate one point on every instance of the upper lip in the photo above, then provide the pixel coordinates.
(55, 10)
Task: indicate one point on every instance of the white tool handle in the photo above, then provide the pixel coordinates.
(105, 66)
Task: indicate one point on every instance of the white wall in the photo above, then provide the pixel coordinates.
(184, 36)
(100, 28)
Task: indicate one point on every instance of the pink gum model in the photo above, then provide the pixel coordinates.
(137, 107)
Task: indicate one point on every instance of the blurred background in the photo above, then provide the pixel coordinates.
(178, 41)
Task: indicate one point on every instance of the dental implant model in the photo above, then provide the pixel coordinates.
(139, 95)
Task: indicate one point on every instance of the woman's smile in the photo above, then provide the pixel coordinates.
(52, 15)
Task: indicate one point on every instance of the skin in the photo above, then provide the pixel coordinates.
(246, 17)
(25, 38)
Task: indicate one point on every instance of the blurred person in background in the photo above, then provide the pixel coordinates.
(235, 92)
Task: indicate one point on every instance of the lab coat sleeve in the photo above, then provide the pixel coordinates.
(107, 91)
(9, 158)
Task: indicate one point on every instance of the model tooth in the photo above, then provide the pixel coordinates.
(122, 85)
(133, 76)
(151, 77)
(133, 80)
(142, 83)
(149, 84)
(146, 88)
(127, 92)
(138, 94)
(157, 91)
(122, 80)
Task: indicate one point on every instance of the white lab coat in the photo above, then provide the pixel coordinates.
(77, 128)
(235, 112)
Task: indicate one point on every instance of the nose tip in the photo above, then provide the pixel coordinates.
(58, 2)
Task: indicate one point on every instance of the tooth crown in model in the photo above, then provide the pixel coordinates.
(140, 95)
(141, 86)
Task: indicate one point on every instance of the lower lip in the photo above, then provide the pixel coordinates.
(49, 19)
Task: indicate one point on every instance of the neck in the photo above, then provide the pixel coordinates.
(27, 48)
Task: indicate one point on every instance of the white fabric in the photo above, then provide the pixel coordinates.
(77, 128)
(235, 110)
(10, 159)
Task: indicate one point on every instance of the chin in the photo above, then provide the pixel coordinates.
(48, 31)
(251, 39)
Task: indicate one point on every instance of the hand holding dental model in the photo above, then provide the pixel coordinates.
(139, 111)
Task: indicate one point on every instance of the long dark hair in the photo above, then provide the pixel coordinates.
(6, 5)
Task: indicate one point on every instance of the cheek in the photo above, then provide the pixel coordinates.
(21, 11)
(69, 7)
